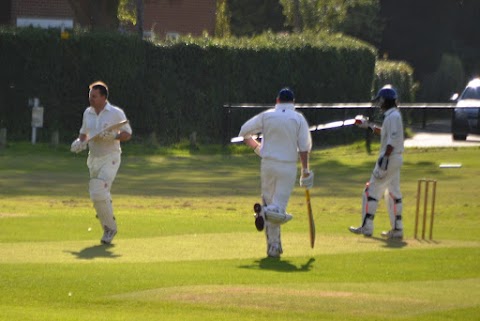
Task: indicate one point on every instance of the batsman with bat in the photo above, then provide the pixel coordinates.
(385, 178)
(104, 126)
(286, 137)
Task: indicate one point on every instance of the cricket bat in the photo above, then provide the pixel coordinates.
(311, 222)
(111, 127)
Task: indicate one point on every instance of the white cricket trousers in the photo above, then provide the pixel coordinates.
(389, 183)
(104, 167)
(389, 187)
(278, 180)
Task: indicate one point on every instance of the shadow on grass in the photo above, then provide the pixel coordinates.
(97, 251)
(391, 243)
(279, 265)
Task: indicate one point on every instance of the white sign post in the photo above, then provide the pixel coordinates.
(37, 118)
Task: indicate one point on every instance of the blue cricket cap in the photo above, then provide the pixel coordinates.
(286, 95)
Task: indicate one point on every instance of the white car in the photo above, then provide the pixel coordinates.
(466, 115)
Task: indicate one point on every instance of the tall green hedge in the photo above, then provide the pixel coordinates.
(171, 89)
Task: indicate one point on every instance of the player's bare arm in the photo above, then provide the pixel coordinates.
(124, 136)
(304, 162)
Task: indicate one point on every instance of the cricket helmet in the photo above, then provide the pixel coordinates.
(286, 95)
(387, 92)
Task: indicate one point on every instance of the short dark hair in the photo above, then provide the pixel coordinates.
(101, 86)
(286, 95)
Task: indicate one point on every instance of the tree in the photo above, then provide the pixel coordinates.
(251, 17)
(127, 12)
(316, 15)
(297, 18)
(358, 18)
(430, 35)
(131, 13)
(363, 21)
(222, 23)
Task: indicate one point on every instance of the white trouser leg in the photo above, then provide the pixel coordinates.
(389, 187)
(278, 180)
(102, 173)
(394, 196)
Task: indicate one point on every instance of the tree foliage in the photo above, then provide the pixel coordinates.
(127, 13)
(316, 15)
(437, 31)
(252, 17)
(363, 21)
(357, 18)
(222, 21)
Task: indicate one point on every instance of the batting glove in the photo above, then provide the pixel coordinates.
(307, 182)
(78, 146)
(108, 135)
(362, 122)
(379, 173)
(383, 162)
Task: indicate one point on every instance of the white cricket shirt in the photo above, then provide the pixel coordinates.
(93, 123)
(392, 131)
(285, 132)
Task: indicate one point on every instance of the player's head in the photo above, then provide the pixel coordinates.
(285, 95)
(101, 87)
(386, 97)
(98, 94)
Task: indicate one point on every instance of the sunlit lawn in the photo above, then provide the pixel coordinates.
(187, 248)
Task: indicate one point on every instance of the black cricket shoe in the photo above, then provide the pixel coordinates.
(259, 219)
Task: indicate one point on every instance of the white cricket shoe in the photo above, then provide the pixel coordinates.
(108, 235)
(393, 234)
(366, 229)
(274, 250)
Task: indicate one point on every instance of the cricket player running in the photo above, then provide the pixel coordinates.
(285, 137)
(104, 153)
(385, 179)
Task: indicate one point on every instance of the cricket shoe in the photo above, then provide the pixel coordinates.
(274, 250)
(365, 230)
(393, 234)
(108, 235)
(259, 217)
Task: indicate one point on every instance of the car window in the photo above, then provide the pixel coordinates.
(471, 93)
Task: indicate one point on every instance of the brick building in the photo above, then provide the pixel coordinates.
(40, 13)
(162, 17)
(170, 17)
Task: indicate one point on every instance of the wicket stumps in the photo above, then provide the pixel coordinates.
(426, 184)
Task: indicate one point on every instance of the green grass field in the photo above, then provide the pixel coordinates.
(187, 248)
